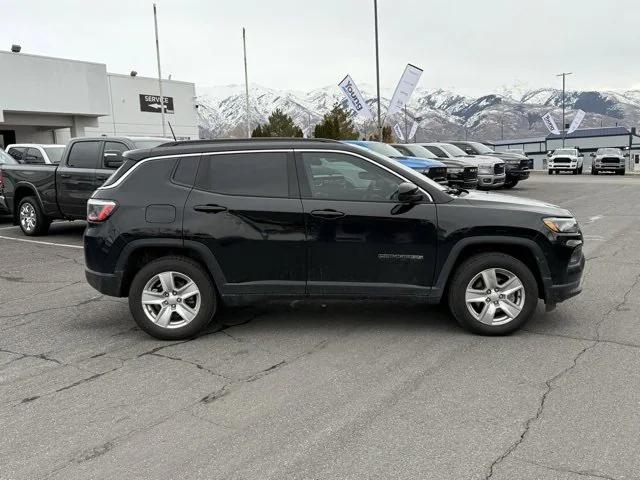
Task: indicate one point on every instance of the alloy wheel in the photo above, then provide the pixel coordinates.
(171, 299)
(28, 217)
(495, 296)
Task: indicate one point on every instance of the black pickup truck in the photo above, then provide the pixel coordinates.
(37, 194)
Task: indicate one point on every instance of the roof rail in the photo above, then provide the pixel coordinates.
(241, 140)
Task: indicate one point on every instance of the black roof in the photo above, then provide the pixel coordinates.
(202, 146)
(592, 132)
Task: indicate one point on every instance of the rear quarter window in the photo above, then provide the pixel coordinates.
(124, 168)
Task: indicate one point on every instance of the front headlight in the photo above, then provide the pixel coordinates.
(455, 170)
(561, 224)
(485, 169)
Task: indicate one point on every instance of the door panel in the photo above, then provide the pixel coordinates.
(75, 181)
(361, 241)
(258, 241)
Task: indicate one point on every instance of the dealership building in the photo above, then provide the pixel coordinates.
(49, 100)
(587, 140)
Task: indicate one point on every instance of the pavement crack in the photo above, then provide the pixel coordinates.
(581, 473)
(51, 309)
(189, 362)
(22, 356)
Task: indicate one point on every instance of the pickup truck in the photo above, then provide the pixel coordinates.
(517, 166)
(608, 160)
(38, 194)
(565, 160)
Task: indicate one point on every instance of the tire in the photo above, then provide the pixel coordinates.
(190, 313)
(594, 171)
(574, 172)
(510, 184)
(468, 274)
(580, 171)
(550, 172)
(32, 220)
(621, 172)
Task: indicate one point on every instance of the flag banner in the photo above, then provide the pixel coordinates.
(414, 129)
(550, 123)
(405, 88)
(398, 131)
(577, 120)
(355, 98)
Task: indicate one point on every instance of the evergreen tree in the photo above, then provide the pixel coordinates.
(336, 125)
(387, 135)
(279, 124)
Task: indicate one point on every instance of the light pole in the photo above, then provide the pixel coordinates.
(162, 108)
(375, 15)
(564, 80)
(246, 82)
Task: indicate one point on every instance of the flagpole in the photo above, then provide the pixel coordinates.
(564, 78)
(375, 15)
(246, 82)
(162, 108)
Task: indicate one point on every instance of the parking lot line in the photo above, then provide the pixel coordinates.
(8, 228)
(41, 243)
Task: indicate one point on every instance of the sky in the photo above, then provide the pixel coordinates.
(470, 46)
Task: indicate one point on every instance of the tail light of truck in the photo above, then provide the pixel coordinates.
(99, 210)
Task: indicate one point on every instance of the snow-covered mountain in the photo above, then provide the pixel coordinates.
(511, 112)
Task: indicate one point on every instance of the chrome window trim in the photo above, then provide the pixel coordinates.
(181, 155)
(347, 152)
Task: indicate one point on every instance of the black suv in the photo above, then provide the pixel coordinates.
(187, 226)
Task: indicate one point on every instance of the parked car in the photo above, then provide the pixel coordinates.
(490, 170)
(5, 159)
(435, 170)
(38, 194)
(565, 160)
(608, 160)
(459, 173)
(184, 228)
(516, 167)
(35, 154)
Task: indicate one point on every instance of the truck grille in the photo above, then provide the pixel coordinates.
(611, 160)
(438, 174)
(524, 164)
(498, 169)
(561, 160)
(470, 173)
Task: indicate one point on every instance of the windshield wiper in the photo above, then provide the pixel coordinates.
(456, 190)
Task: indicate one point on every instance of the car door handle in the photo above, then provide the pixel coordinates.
(210, 208)
(328, 213)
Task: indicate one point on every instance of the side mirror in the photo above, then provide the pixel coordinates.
(626, 154)
(470, 151)
(593, 155)
(113, 159)
(549, 154)
(408, 193)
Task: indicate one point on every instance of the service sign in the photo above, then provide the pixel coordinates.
(151, 103)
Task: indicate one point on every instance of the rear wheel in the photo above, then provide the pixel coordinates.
(173, 298)
(31, 218)
(493, 294)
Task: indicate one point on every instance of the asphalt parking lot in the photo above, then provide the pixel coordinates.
(306, 391)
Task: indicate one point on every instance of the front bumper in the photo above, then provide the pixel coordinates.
(3, 205)
(557, 293)
(491, 180)
(609, 166)
(106, 283)
(518, 174)
(463, 183)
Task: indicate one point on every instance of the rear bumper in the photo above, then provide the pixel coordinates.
(106, 283)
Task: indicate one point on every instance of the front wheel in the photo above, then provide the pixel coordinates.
(31, 218)
(510, 184)
(173, 298)
(493, 294)
(550, 172)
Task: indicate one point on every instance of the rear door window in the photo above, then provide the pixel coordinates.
(17, 153)
(263, 174)
(111, 151)
(84, 154)
(33, 156)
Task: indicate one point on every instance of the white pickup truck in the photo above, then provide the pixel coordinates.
(565, 160)
(608, 160)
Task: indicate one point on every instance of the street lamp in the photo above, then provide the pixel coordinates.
(375, 16)
(564, 79)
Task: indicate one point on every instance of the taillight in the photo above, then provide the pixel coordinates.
(100, 210)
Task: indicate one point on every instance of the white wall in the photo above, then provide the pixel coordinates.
(32, 83)
(127, 118)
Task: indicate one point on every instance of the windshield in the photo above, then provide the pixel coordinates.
(150, 143)
(609, 151)
(6, 158)
(566, 151)
(54, 153)
(421, 152)
(453, 150)
(383, 149)
(480, 148)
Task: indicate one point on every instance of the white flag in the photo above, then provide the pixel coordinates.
(398, 131)
(577, 120)
(550, 123)
(405, 88)
(414, 129)
(355, 98)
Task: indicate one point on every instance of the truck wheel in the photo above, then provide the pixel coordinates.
(574, 172)
(621, 172)
(32, 221)
(173, 298)
(594, 171)
(493, 294)
(550, 172)
(510, 184)
(580, 171)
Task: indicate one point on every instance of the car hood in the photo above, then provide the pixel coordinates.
(417, 162)
(506, 156)
(480, 160)
(451, 162)
(500, 200)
